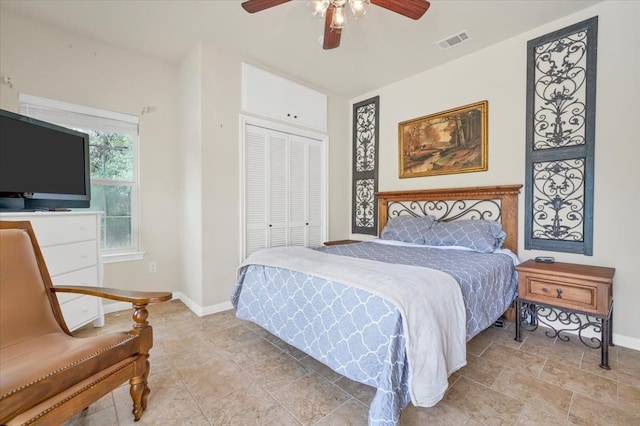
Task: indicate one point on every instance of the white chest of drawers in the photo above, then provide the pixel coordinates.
(70, 244)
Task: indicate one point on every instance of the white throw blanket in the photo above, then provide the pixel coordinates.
(429, 301)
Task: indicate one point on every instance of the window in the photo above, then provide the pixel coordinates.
(113, 156)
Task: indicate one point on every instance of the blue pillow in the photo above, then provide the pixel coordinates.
(484, 236)
(409, 229)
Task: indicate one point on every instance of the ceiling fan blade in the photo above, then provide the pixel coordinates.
(331, 35)
(413, 9)
(253, 6)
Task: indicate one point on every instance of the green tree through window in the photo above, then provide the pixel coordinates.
(111, 157)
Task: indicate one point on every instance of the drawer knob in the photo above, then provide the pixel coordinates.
(559, 293)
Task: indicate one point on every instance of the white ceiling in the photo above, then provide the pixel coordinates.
(376, 50)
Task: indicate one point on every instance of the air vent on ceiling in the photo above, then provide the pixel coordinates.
(454, 40)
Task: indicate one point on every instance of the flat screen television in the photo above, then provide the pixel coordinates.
(42, 166)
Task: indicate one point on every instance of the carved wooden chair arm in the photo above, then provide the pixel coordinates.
(139, 299)
(134, 297)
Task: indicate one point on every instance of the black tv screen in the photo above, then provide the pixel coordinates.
(42, 165)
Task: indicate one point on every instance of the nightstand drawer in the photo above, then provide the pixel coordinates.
(554, 292)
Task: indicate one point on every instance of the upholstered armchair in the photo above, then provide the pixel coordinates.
(46, 374)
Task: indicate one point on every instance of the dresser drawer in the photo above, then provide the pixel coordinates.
(52, 229)
(87, 276)
(80, 311)
(70, 257)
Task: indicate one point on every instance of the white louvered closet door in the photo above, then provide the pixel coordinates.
(277, 194)
(283, 189)
(315, 205)
(255, 191)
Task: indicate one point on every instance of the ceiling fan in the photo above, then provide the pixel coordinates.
(334, 14)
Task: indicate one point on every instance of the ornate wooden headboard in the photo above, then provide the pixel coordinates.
(499, 203)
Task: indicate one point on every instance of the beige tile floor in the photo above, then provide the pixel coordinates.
(218, 370)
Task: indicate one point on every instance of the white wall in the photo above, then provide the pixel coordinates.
(339, 167)
(221, 172)
(189, 203)
(44, 61)
(498, 74)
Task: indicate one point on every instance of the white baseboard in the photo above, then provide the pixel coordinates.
(199, 310)
(194, 307)
(626, 341)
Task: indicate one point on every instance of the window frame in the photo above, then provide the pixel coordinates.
(70, 110)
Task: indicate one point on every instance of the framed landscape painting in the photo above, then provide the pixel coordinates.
(448, 142)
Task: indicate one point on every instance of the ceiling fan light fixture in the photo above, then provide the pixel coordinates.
(319, 7)
(359, 7)
(339, 18)
(333, 12)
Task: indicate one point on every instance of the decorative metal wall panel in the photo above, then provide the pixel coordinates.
(560, 84)
(365, 200)
(561, 79)
(365, 167)
(558, 204)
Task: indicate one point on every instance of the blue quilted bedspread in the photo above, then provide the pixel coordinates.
(358, 334)
(487, 280)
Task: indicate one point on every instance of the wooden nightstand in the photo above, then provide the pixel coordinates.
(569, 289)
(338, 242)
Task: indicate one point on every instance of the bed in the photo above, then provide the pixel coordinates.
(394, 313)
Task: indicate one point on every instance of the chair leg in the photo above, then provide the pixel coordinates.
(136, 389)
(145, 393)
(139, 387)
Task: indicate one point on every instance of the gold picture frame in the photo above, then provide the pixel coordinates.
(448, 142)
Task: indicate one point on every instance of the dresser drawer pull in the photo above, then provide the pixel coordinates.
(559, 293)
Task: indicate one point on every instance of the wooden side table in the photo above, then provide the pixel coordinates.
(338, 242)
(570, 289)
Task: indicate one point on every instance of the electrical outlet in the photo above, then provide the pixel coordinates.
(153, 267)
